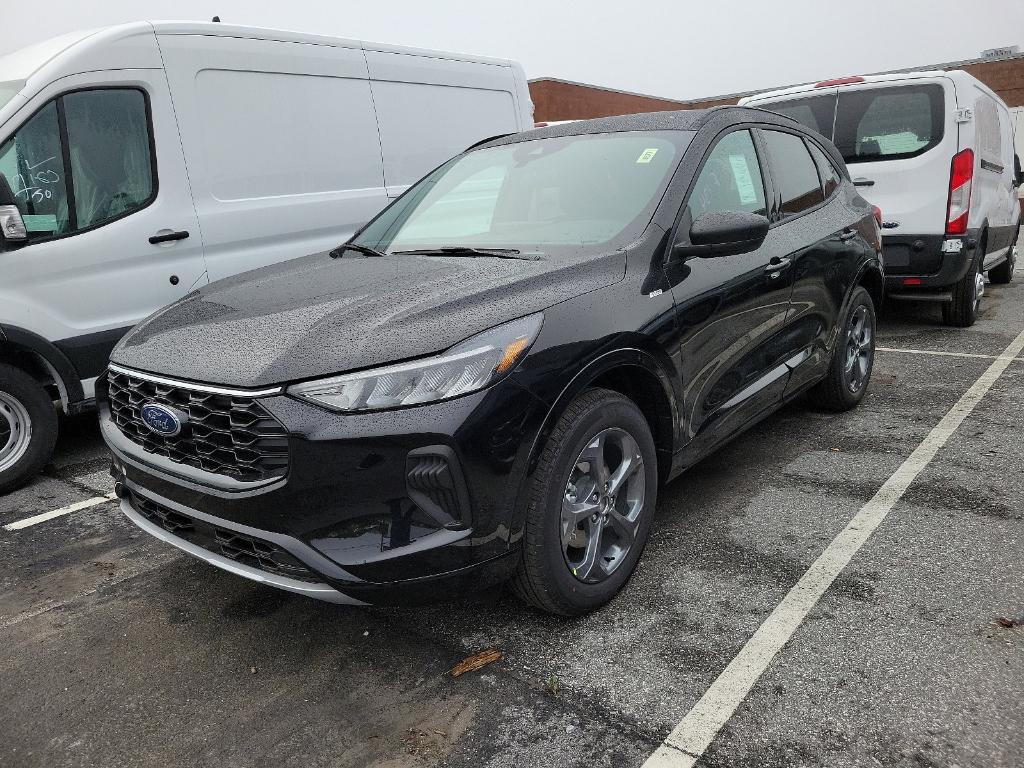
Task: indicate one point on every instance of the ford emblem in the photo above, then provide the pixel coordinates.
(162, 419)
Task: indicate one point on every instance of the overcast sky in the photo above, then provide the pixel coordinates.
(676, 49)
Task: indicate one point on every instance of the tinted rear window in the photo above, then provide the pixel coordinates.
(815, 112)
(889, 123)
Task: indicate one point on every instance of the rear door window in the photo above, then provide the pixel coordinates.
(891, 123)
(797, 185)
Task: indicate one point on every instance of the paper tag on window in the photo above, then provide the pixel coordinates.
(647, 155)
(744, 181)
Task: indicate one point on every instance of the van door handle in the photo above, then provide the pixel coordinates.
(168, 237)
(776, 264)
(860, 181)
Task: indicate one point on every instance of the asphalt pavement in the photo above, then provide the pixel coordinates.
(116, 650)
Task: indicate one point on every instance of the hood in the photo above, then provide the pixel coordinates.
(318, 316)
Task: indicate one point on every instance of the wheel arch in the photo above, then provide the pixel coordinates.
(43, 361)
(872, 279)
(636, 374)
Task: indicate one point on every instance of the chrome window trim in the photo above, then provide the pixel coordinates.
(213, 390)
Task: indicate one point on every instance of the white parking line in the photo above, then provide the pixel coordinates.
(42, 518)
(940, 353)
(691, 738)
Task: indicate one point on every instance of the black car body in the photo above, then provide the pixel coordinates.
(423, 502)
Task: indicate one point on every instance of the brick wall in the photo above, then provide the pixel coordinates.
(560, 100)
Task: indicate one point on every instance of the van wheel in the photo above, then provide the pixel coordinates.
(589, 507)
(963, 310)
(28, 427)
(1003, 274)
(852, 360)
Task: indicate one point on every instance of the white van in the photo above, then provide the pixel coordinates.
(935, 152)
(139, 161)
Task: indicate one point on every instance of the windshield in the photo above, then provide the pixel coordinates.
(9, 89)
(590, 192)
(869, 124)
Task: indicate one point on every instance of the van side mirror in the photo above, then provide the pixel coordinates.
(723, 233)
(12, 226)
(1018, 174)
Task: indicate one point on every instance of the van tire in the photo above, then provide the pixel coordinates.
(962, 311)
(25, 408)
(1003, 274)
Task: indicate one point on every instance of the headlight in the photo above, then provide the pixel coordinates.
(467, 367)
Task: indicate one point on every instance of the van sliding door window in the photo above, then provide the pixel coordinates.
(81, 161)
(891, 123)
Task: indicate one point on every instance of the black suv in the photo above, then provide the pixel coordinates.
(493, 378)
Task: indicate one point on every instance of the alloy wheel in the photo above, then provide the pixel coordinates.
(602, 505)
(859, 349)
(15, 431)
(979, 290)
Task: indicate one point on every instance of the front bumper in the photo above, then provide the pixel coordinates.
(348, 508)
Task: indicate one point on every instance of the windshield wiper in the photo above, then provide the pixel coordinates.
(462, 250)
(363, 249)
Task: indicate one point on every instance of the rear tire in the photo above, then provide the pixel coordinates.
(967, 293)
(582, 542)
(853, 358)
(28, 427)
(1003, 274)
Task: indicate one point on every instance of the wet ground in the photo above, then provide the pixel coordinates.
(116, 650)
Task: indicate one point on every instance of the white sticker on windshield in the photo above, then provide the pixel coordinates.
(647, 155)
(744, 181)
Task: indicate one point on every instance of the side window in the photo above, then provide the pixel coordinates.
(32, 163)
(830, 177)
(796, 179)
(730, 179)
(105, 170)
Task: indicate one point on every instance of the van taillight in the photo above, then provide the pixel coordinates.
(958, 208)
(878, 215)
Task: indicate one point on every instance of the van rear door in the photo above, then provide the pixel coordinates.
(898, 140)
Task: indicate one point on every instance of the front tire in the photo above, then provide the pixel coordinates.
(590, 506)
(28, 427)
(849, 372)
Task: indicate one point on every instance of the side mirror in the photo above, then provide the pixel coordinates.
(12, 226)
(723, 233)
(1018, 174)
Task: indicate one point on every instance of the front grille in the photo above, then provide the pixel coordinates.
(225, 434)
(240, 547)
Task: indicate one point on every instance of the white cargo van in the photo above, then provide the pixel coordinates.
(139, 161)
(935, 151)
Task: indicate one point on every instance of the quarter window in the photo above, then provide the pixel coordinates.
(104, 170)
(730, 179)
(830, 177)
(796, 179)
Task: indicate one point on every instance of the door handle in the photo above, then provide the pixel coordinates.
(169, 237)
(776, 264)
(860, 181)
(848, 235)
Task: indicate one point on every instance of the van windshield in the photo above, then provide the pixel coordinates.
(564, 194)
(8, 90)
(870, 124)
